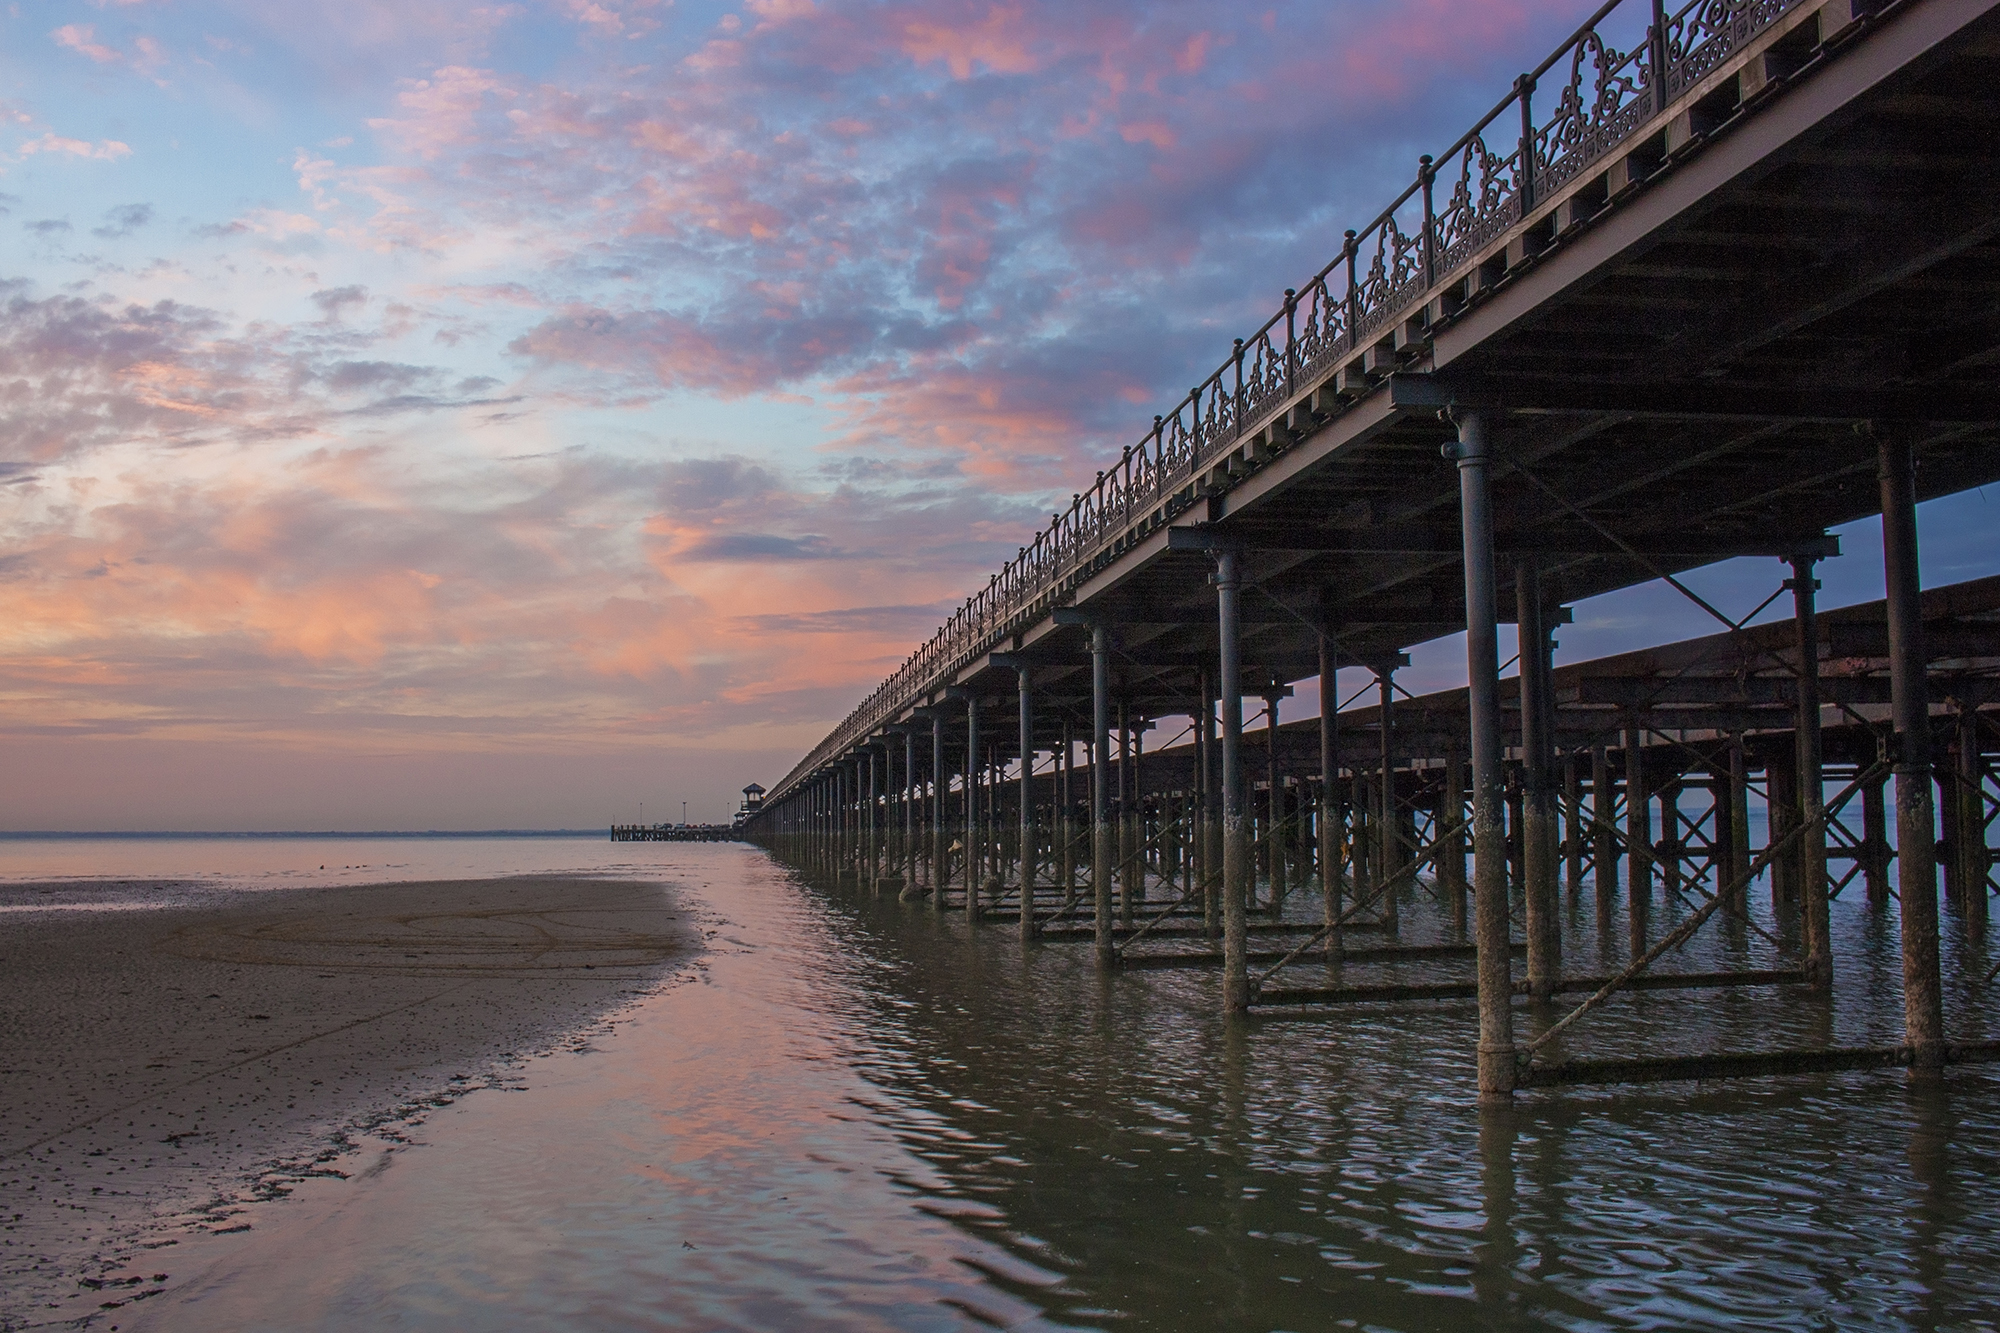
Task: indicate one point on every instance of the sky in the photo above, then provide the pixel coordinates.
(423, 415)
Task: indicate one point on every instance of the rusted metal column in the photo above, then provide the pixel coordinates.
(870, 837)
(1451, 868)
(993, 821)
(1121, 802)
(1572, 844)
(1875, 842)
(1544, 923)
(1101, 857)
(1638, 841)
(1811, 785)
(911, 794)
(1209, 839)
(1329, 808)
(1489, 853)
(1781, 800)
(1916, 823)
(1604, 834)
(1025, 681)
(974, 862)
(1973, 861)
(1671, 873)
(1236, 867)
(938, 847)
(1739, 823)
(1275, 850)
(1136, 742)
(1388, 853)
(1065, 827)
(1361, 834)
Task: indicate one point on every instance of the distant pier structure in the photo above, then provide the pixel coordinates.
(753, 800)
(675, 833)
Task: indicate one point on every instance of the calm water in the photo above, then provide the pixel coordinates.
(858, 1114)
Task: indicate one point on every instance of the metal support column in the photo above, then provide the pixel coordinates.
(1066, 811)
(1388, 852)
(1489, 834)
(1024, 679)
(1236, 867)
(1916, 822)
(974, 862)
(1544, 923)
(1572, 844)
(1211, 813)
(1275, 850)
(1101, 860)
(939, 852)
(1638, 841)
(1811, 781)
(1969, 839)
(1329, 805)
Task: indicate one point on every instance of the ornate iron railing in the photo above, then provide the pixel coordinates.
(1461, 201)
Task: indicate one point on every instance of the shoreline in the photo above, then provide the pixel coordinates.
(168, 1065)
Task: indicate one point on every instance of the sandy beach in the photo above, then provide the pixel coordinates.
(169, 1053)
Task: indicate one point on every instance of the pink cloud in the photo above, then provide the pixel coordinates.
(82, 39)
(104, 150)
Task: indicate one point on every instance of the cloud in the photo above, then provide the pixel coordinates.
(333, 300)
(656, 381)
(47, 226)
(82, 39)
(746, 546)
(906, 620)
(123, 221)
(104, 150)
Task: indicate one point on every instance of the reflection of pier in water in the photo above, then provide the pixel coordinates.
(1729, 288)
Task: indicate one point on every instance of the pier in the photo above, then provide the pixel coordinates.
(675, 833)
(1709, 282)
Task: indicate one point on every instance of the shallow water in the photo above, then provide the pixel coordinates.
(258, 860)
(861, 1114)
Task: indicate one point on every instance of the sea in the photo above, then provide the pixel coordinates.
(852, 1112)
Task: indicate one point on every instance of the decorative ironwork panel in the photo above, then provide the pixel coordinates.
(1707, 32)
(1395, 277)
(1608, 95)
(1485, 201)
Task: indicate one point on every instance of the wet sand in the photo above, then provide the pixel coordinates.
(169, 1053)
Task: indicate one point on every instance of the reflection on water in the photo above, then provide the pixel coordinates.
(862, 1114)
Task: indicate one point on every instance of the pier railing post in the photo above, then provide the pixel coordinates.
(1811, 785)
(1489, 834)
(1236, 866)
(1916, 824)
